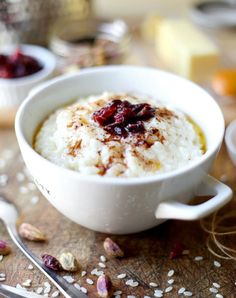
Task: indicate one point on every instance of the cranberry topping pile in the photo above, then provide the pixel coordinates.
(121, 117)
(18, 65)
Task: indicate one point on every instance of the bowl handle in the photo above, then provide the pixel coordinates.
(176, 210)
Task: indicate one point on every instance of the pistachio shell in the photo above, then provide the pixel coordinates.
(104, 286)
(31, 233)
(112, 249)
(68, 262)
(4, 248)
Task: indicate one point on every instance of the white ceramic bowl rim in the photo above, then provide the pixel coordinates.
(112, 180)
(230, 130)
(44, 56)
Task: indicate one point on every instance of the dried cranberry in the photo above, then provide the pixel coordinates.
(121, 117)
(51, 262)
(18, 65)
(135, 127)
(177, 250)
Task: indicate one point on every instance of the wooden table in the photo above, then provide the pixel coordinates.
(146, 254)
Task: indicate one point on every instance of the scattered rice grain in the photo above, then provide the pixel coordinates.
(219, 296)
(158, 293)
(170, 273)
(34, 200)
(102, 265)
(213, 290)
(181, 290)
(168, 289)
(117, 293)
(83, 273)
(84, 290)
(103, 259)
(55, 294)
(216, 285)
(153, 284)
(89, 281)
(198, 258)
(27, 283)
(121, 276)
(39, 290)
(20, 177)
(217, 264)
(69, 279)
(77, 286)
(3, 180)
(188, 294)
(170, 281)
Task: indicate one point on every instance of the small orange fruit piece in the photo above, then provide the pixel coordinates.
(224, 82)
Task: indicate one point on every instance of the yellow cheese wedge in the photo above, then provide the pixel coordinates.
(150, 27)
(186, 50)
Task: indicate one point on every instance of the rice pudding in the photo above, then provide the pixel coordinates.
(119, 135)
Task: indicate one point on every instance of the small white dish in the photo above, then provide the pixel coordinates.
(230, 140)
(14, 91)
(119, 205)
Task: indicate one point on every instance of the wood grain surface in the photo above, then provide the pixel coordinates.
(146, 254)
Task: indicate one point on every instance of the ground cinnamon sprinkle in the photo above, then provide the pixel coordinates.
(72, 150)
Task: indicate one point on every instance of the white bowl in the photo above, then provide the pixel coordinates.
(14, 91)
(230, 140)
(118, 205)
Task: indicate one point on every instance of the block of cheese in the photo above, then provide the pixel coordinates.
(150, 27)
(186, 50)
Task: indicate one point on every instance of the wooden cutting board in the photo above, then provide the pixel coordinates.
(146, 254)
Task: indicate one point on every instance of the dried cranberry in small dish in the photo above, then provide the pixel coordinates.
(18, 65)
(21, 70)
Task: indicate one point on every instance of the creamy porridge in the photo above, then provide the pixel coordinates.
(119, 135)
